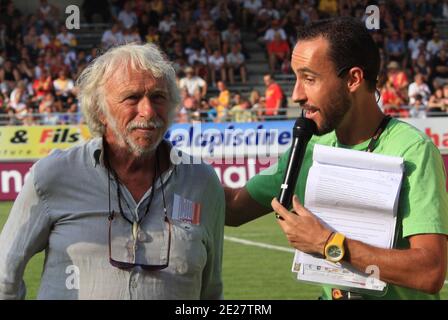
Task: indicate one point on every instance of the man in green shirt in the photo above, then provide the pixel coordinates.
(336, 64)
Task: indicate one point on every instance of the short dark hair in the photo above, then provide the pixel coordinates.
(351, 45)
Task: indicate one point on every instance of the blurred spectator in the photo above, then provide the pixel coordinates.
(414, 45)
(212, 41)
(257, 105)
(250, 11)
(392, 100)
(216, 63)
(279, 54)
(398, 78)
(172, 37)
(269, 10)
(437, 101)
(206, 112)
(97, 7)
(330, 7)
(65, 37)
(188, 105)
(440, 69)
(152, 36)
(418, 88)
(395, 48)
(198, 59)
(273, 31)
(178, 56)
(418, 107)
(112, 37)
(426, 26)
(241, 112)
(205, 23)
(230, 37)
(236, 64)
(31, 39)
(435, 44)
(166, 24)
(223, 21)
(131, 35)
(274, 97)
(127, 16)
(193, 83)
(63, 86)
(43, 85)
(9, 74)
(222, 102)
(47, 13)
(18, 100)
(421, 66)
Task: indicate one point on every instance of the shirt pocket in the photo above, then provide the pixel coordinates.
(188, 249)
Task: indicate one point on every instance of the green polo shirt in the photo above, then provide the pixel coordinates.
(423, 204)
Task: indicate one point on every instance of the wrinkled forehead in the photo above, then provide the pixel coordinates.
(126, 77)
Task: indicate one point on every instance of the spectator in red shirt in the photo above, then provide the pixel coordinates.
(274, 97)
(42, 85)
(278, 51)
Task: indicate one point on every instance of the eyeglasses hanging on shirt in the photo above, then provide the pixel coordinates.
(136, 223)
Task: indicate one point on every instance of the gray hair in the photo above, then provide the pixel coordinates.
(147, 57)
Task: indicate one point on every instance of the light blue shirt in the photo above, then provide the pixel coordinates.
(63, 209)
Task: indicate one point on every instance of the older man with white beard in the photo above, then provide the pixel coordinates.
(117, 216)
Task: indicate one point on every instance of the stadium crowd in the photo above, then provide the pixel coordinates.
(40, 59)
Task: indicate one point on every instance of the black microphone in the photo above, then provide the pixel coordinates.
(302, 132)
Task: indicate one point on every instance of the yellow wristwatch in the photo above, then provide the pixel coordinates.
(334, 249)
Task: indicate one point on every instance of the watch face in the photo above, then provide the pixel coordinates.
(334, 251)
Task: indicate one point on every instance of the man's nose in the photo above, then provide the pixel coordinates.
(298, 94)
(145, 108)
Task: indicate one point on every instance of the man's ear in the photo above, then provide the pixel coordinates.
(355, 79)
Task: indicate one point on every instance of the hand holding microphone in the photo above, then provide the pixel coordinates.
(302, 132)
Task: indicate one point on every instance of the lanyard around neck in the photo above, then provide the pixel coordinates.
(378, 133)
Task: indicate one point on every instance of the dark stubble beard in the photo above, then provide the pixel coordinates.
(335, 112)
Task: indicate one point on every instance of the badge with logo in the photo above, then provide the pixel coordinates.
(186, 210)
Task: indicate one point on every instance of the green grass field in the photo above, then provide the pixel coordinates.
(248, 272)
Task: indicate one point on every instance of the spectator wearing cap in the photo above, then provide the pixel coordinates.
(392, 101)
(398, 78)
(193, 83)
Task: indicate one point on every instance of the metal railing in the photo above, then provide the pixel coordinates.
(190, 117)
